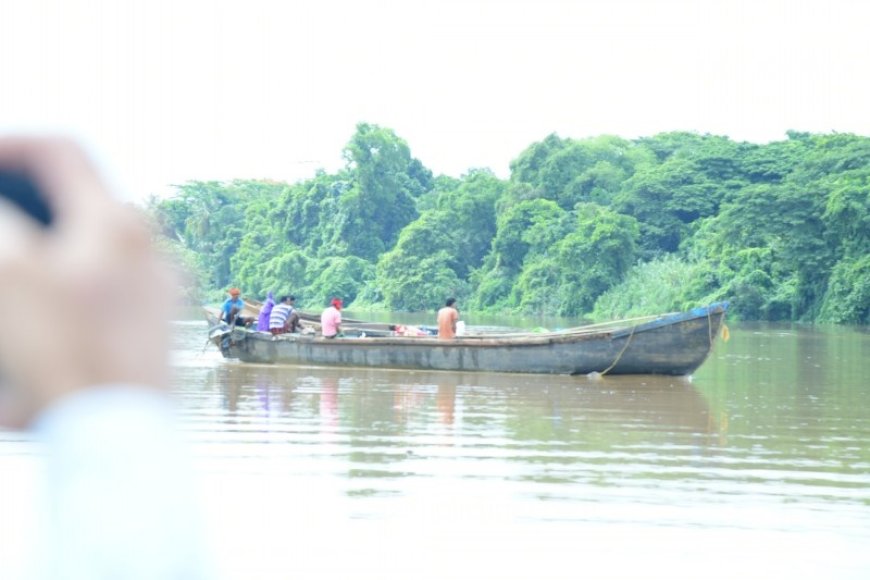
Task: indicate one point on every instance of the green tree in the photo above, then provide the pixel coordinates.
(666, 199)
(530, 225)
(594, 257)
(847, 300)
(780, 229)
(661, 285)
(847, 218)
(343, 277)
(381, 201)
(569, 171)
(414, 284)
(459, 227)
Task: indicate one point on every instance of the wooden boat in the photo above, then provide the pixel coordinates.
(669, 344)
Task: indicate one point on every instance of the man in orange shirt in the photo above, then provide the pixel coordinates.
(447, 319)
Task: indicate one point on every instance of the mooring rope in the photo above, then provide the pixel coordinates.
(710, 327)
(619, 356)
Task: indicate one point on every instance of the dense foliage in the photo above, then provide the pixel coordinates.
(602, 226)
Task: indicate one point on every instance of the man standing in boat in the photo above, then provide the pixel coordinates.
(330, 320)
(448, 316)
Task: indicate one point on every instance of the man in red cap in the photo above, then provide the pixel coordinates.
(330, 320)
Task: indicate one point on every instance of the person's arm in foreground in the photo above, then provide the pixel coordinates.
(91, 380)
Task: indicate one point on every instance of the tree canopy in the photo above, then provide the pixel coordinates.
(603, 226)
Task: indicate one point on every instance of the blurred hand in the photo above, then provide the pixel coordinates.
(85, 302)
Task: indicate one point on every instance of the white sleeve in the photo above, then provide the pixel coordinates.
(121, 501)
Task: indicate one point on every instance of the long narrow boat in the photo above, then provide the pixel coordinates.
(669, 344)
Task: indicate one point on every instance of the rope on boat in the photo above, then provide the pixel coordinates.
(619, 356)
(710, 327)
(633, 328)
(724, 332)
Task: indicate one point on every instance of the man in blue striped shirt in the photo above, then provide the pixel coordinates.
(284, 317)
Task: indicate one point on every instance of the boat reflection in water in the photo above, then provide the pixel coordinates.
(388, 417)
(632, 402)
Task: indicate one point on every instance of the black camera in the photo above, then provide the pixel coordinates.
(20, 189)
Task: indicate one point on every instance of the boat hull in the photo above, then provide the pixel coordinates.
(674, 344)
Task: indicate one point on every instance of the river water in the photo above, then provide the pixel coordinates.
(758, 466)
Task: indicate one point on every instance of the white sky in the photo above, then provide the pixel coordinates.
(166, 91)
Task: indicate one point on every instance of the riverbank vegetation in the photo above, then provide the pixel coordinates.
(602, 227)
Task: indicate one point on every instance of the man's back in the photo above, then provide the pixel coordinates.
(279, 315)
(447, 318)
(329, 321)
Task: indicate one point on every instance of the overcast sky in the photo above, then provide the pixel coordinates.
(166, 91)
